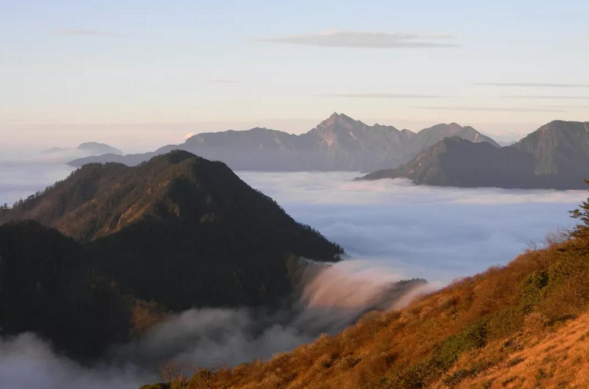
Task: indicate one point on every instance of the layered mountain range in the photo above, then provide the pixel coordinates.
(337, 143)
(112, 244)
(555, 156)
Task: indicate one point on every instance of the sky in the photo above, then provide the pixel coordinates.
(140, 74)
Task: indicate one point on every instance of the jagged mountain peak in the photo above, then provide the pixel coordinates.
(339, 120)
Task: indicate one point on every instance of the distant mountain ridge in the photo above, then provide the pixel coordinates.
(96, 148)
(337, 143)
(556, 156)
(88, 148)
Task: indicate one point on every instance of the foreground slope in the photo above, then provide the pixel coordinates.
(519, 326)
(179, 231)
(337, 143)
(556, 156)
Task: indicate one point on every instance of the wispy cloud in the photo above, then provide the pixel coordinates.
(224, 81)
(365, 40)
(541, 97)
(491, 109)
(81, 32)
(570, 106)
(378, 96)
(533, 84)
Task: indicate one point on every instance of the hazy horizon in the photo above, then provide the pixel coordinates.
(154, 136)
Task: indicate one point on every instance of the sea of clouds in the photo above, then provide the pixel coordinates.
(391, 230)
(420, 231)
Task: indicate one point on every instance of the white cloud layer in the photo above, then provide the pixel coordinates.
(420, 231)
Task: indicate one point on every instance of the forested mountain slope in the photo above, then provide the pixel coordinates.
(178, 231)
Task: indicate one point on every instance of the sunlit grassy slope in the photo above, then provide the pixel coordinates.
(524, 325)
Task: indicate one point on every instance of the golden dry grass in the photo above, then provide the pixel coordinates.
(553, 359)
(521, 326)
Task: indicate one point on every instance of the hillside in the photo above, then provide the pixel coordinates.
(556, 156)
(179, 231)
(100, 200)
(519, 326)
(337, 143)
(48, 288)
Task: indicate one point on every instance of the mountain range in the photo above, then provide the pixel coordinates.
(555, 156)
(114, 245)
(337, 143)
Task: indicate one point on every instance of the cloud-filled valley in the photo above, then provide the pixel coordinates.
(420, 231)
(391, 230)
(328, 301)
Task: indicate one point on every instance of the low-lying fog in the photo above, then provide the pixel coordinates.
(420, 231)
(390, 229)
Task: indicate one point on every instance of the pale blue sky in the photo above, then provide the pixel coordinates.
(138, 74)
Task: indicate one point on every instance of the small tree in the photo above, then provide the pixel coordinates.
(581, 230)
(203, 379)
(174, 374)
